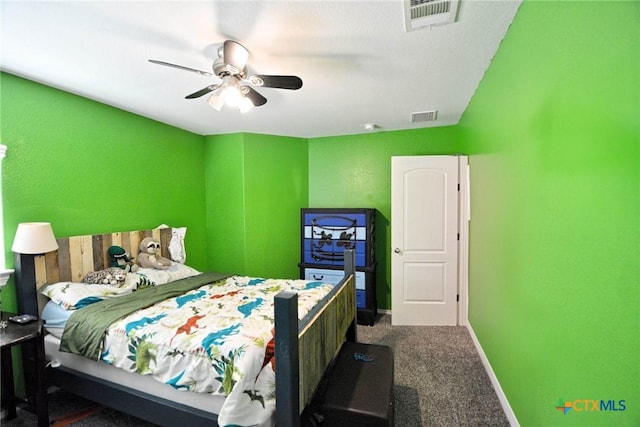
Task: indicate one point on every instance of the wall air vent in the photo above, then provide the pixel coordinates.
(424, 116)
(425, 13)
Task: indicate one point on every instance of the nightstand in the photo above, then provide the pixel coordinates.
(15, 334)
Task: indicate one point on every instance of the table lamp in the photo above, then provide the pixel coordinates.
(31, 239)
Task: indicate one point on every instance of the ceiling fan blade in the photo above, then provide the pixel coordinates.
(279, 82)
(181, 67)
(202, 92)
(235, 55)
(255, 98)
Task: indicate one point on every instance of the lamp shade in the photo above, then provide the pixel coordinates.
(34, 238)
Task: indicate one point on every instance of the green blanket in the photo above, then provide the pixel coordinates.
(86, 328)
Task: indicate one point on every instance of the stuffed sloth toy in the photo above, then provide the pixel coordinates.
(149, 255)
(120, 258)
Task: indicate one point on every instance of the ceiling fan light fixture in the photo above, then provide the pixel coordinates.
(245, 105)
(231, 93)
(216, 101)
(232, 96)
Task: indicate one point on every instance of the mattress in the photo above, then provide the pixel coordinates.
(144, 383)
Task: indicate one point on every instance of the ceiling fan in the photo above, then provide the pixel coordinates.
(235, 89)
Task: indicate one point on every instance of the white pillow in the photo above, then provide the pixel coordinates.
(177, 251)
(176, 245)
(74, 295)
(174, 272)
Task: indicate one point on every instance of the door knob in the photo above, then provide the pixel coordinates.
(396, 250)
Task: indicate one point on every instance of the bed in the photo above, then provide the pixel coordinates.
(303, 346)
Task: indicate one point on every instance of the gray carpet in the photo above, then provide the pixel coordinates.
(439, 381)
(439, 376)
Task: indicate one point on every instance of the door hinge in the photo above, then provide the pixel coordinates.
(458, 298)
(458, 186)
(458, 236)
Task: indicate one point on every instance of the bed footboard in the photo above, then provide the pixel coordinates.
(305, 349)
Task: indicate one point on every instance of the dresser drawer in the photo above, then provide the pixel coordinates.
(361, 298)
(333, 276)
(331, 252)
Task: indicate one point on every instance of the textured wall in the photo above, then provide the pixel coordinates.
(256, 185)
(554, 137)
(89, 168)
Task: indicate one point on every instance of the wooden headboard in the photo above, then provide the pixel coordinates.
(78, 255)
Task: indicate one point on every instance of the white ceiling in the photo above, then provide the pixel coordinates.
(358, 63)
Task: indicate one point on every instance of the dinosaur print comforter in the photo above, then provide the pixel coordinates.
(212, 339)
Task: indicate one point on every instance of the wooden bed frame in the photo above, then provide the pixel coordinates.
(303, 349)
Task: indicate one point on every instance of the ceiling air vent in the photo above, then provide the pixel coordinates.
(425, 13)
(424, 116)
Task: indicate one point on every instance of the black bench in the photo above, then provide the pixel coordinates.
(359, 388)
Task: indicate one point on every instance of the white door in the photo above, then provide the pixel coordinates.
(424, 240)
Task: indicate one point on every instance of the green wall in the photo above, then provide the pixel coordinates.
(355, 172)
(224, 156)
(256, 185)
(554, 137)
(87, 167)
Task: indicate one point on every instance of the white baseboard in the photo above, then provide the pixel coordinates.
(511, 416)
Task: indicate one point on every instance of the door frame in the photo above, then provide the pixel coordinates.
(464, 216)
